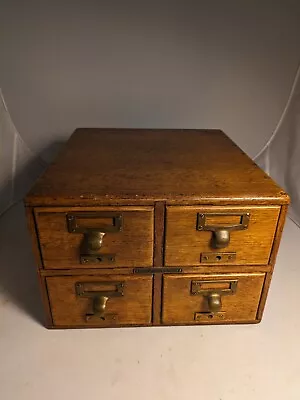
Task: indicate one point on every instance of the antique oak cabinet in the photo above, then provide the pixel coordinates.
(140, 227)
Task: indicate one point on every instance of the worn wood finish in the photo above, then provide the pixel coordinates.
(277, 239)
(188, 270)
(38, 259)
(134, 307)
(180, 306)
(184, 243)
(99, 165)
(157, 298)
(132, 246)
(142, 173)
(34, 237)
(273, 256)
(45, 300)
(159, 226)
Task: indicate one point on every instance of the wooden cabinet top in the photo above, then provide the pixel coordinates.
(139, 166)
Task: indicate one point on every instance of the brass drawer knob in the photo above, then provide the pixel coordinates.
(94, 226)
(221, 238)
(94, 241)
(99, 306)
(214, 302)
(99, 293)
(213, 294)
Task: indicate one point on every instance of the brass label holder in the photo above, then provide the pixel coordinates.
(214, 295)
(221, 233)
(99, 299)
(157, 270)
(74, 226)
(94, 234)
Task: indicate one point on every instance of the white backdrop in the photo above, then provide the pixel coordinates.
(156, 64)
(19, 166)
(280, 157)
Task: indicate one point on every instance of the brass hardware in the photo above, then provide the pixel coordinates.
(221, 233)
(86, 289)
(198, 287)
(95, 240)
(97, 258)
(99, 297)
(94, 233)
(213, 295)
(99, 306)
(220, 258)
(155, 270)
(214, 302)
(208, 316)
(74, 225)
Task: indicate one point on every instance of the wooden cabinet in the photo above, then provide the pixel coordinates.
(135, 227)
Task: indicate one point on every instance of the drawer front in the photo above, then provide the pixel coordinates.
(220, 235)
(100, 301)
(208, 299)
(96, 237)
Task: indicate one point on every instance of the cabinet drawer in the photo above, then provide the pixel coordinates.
(96, 237)
(87, 300)
(224, 235)
(211, 298)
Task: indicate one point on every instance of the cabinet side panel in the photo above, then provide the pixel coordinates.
(34, 236)
(274, 252)
(39, 265)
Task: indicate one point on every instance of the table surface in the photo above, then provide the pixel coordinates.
(210, 362)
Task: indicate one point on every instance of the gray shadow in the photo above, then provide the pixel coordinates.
(18, 276)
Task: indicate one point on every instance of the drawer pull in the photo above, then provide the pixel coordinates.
(221, 233)
(99, 306)
(94, 226)
(214, 302)
(97, 292)
(213, 290)
(93, 241)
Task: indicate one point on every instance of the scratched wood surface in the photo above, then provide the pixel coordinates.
(131, 247)
(107, 165)
(185, 244)
(134, 307)
(180, 306)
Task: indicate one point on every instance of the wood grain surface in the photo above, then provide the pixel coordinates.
(184, 243)
(159, 236)
(132, 246)
(134, 307)
(180, 306)
(98, 166)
